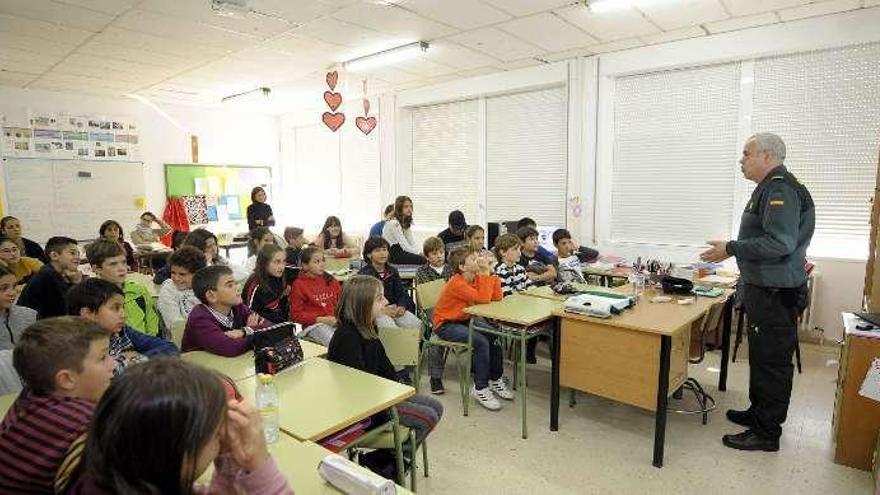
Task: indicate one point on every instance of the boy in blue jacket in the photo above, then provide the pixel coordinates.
(103, 302)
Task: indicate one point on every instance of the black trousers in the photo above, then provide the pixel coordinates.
(397, 256)
(772, 316)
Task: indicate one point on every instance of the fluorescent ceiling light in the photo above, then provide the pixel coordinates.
(256, 94)
(599, 6)
(386, 57)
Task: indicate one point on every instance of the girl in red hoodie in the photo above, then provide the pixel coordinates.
(313, 298)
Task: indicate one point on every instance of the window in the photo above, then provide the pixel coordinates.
(675, 156)
(825, 105)
(360, 207)
(315, 182)
(445, 162)
(527, 156)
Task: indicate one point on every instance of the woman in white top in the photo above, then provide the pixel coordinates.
(404, 250)
(176, 297)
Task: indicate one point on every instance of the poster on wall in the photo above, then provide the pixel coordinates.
(61, 135)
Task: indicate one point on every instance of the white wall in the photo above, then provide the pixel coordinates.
(225, 136)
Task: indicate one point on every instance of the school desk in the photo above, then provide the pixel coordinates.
(241, 367)
(319, 397)
(520, 317)
(229, 246)
(6, 402)
(606, 276)
(638, 357)
(546, 292)
(298, 462)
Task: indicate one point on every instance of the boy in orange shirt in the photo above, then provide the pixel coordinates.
(473, 283)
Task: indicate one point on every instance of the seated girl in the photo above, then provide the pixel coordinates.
(333, 241)
(265, 292)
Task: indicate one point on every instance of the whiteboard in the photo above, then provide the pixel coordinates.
(72, 197)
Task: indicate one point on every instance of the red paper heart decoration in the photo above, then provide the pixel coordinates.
(366, 106)
(333, 120)
(333, 100)
(365, 124)
(332, 77)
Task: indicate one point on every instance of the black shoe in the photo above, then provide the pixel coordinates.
(531, 359)
(742, 418)
(750, 440)
(437, 386)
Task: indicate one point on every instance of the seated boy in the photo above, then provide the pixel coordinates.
(539, 267)
(528, 222)
(569, 264)
(103, 303)
(176, 297)
(65, 367)
(108, 262)
(45, 291)
(221, 325)
(473, 283)
(436, 267)
(513, 275)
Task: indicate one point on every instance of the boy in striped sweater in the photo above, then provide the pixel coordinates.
(65, 365)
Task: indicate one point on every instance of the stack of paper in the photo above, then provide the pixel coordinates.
(352, 479)
(717, 280)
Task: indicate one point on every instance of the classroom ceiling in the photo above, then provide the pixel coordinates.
(179, 51)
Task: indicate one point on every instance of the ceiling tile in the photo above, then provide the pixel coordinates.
(358, 41)
(183, 30)
(871, 3)
(89, 66)
(745, 7)
(526, 7)
(299, 44)
(683, 13)
(615, 46)
(56, 33)
(457, 56)
(123, 38)
(674, 35)
(609, 26)
(262, 26)
(549, 32)
(462, 14)
(817, 9)
(112, 7)
(742, 22)
(137, 55)
(521, 64)
(54, 78)
(567, 54)
(423, 67)
(393, 20)
(301, 11)
(18, 79)
(480, 71)
(393, 76)
(14, 60)
(34, 45)
(497, 43)
(58, 13)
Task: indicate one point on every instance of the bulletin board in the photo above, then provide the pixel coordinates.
(226, 188)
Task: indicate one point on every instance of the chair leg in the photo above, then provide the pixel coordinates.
(412, 461)
(797, 356)
(462, 381)
(425, 457)
(740, 322)
(572, 397)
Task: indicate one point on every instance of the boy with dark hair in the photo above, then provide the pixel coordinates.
(176, 297)
(103, 302)
(454, 235)
(108, 262)
(45, 291)
(221, 325)
(65, 367)
(436, 267)
(528, 222)
(539, 267)
(569, 264)
(399, 311)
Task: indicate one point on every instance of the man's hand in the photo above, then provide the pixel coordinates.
(717, 253)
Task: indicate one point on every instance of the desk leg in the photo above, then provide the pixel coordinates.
(523, 344)
(554, 374)
(398, 446)
(725, 344)
(662, 398)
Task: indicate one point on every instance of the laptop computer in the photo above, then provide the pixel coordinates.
(872, 318)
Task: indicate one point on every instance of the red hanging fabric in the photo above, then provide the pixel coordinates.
(175, 216)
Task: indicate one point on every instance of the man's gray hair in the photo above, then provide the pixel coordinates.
(771, 143)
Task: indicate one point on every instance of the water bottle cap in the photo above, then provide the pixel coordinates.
(265, 378)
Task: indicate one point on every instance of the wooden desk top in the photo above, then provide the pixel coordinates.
(617, 271)
(319, 397)
(241, 367)
(6, 402)
(547, 293)
(517, 309)
(660, 318)
(298, 462)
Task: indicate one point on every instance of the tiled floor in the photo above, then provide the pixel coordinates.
(605, 448)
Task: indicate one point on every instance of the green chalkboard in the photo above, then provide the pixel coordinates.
(227, 180)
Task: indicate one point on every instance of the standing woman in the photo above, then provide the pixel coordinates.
(404, 250)
(112, 231)
(11, 228)
(259, 213)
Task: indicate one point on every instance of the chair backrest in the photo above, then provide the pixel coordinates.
(428, 294)
(401, 345)
(177, 332)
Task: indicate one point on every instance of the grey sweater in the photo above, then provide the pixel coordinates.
(13, 322)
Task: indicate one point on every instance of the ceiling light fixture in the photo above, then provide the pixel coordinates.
(386, 57)
(261, 94)
(231, 8)
(600, 6)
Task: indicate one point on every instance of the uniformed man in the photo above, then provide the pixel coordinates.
(774, 233)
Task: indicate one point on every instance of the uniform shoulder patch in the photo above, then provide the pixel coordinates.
(777, 177)
(777, 202)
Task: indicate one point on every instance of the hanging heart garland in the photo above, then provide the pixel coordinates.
(332, 119)
(366, 123)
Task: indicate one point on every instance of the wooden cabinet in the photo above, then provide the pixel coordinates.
(856, 419)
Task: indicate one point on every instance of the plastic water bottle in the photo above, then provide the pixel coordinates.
(267, 406)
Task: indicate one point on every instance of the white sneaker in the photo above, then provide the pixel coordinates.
(499, 387)
(485, 398)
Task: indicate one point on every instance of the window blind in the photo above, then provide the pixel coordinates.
(675, 156)
(527, 156)
(316, 176)
(360, 176)
(826, 107)
(445, 162)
